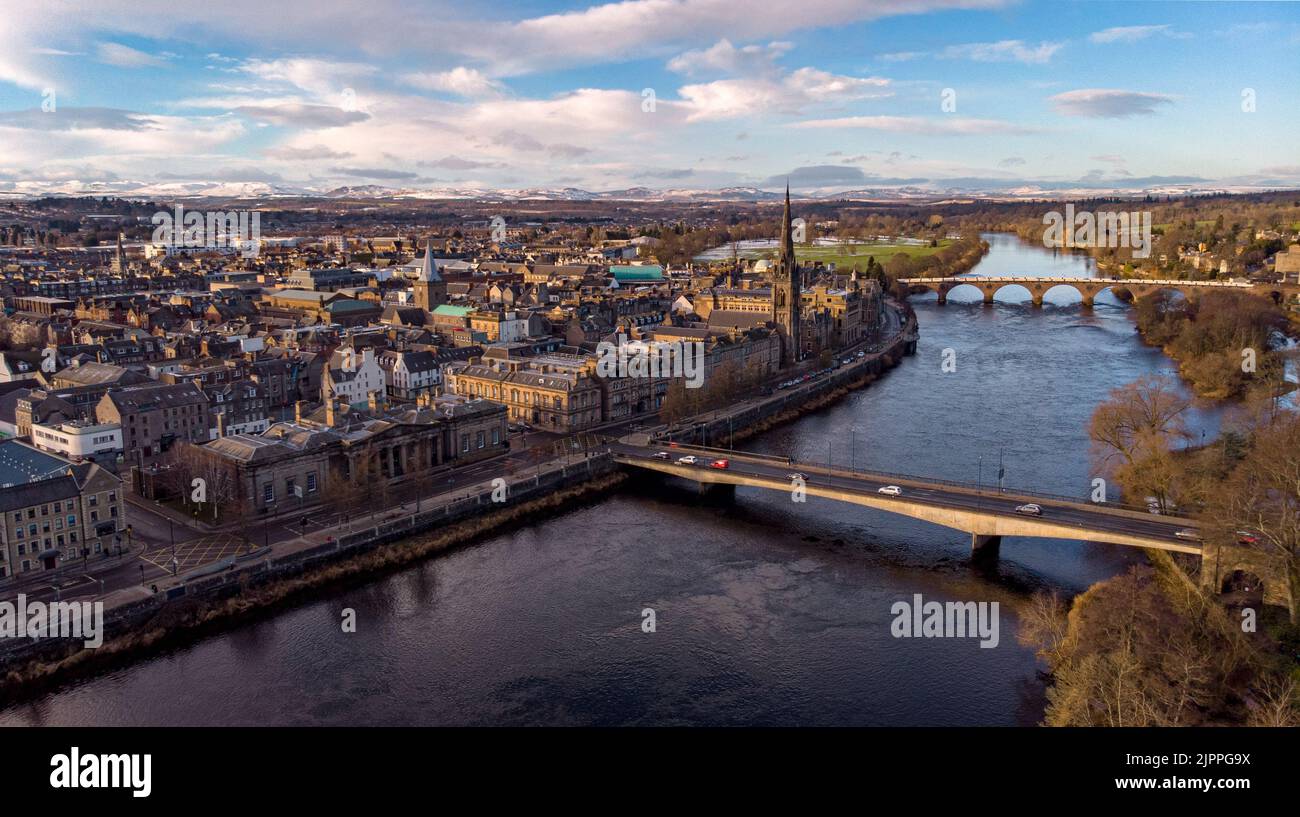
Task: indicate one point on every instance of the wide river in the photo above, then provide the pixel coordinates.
(766, 611)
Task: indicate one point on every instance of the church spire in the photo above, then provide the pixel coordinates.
(429, 269)
(787, 235)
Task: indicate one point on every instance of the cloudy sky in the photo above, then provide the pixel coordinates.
(835, 94)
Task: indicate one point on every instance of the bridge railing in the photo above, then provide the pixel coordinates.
(982, 489)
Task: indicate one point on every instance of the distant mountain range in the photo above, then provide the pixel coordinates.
(961, 190)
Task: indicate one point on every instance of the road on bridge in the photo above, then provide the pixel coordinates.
(1085, 516)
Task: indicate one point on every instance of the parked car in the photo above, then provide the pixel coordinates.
(1030, 509)
(720, 464)
(891, 490)
(862, 354)
(1188, 533)
(689, 459)
(662, 455)
(1245, 537)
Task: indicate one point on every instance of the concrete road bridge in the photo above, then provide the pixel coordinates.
(1088, 288)
(986, 514)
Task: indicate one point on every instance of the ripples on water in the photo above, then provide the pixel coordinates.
(767, 612)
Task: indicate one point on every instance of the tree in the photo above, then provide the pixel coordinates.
(1262, 496)
(1133, 433)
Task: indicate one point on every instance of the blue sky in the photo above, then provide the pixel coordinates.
(834, 94)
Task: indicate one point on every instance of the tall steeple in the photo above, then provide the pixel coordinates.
(787, 290)
(429, 269)
(787, 233)
(430, 289)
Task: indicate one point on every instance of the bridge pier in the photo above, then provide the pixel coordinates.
(717, 491)
(984, 546)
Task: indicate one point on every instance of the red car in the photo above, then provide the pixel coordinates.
(721, 464)
(1245, 537)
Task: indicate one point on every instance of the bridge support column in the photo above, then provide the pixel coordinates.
(983, 546)
(717, 492)
(1087, 301)
(988, 296)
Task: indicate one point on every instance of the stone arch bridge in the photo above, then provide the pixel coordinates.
(1088, 288)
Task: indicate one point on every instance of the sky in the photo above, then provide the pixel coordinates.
(699, 94)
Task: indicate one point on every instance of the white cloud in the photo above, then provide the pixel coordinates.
(1003, 51)
(1126, 34)
(126, 57)
(1107, 103)
(947, 125)
(461, 81)
(725, 58)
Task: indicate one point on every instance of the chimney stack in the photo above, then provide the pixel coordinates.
(297, 411)
(376, 402)
(221, 424)
(331, 407)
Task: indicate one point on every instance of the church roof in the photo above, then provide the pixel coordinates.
(429, 269)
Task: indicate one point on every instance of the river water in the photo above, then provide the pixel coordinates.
(766, 611)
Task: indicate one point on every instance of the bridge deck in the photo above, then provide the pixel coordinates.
(985, 513)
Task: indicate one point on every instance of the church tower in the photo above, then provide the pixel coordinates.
(119, 258)
(430, 289)
(786, 291)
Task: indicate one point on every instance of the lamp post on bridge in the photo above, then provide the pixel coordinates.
(979, 484)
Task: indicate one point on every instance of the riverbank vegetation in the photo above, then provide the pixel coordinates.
(1193, 238)
(1144, 649)
(1225, 342)
(1156, 646)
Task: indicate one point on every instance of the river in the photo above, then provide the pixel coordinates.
(766, 612)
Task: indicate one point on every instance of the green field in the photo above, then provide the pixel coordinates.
(850, 254)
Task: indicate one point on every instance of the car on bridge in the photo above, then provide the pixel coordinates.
(1029, 509)
(1188, 533)
(890, 490)
(797, 475)
(662, 455)
(689, 459)
(1245, 537)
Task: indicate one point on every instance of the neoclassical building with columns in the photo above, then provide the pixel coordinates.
(310, 460)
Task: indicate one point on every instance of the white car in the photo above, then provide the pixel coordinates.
(689, 459)
(891, 490)
(1188, 533)
(1029, 509)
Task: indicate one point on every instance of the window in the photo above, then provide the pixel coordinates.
(496, 436)
(268, 492)
(18, 533)
(72, 520)
(479, 438)
(311, 483)
(464, 442)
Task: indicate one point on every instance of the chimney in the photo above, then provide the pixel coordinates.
(297, 411)
(376, 402)
(331, 407)
(221, 424)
